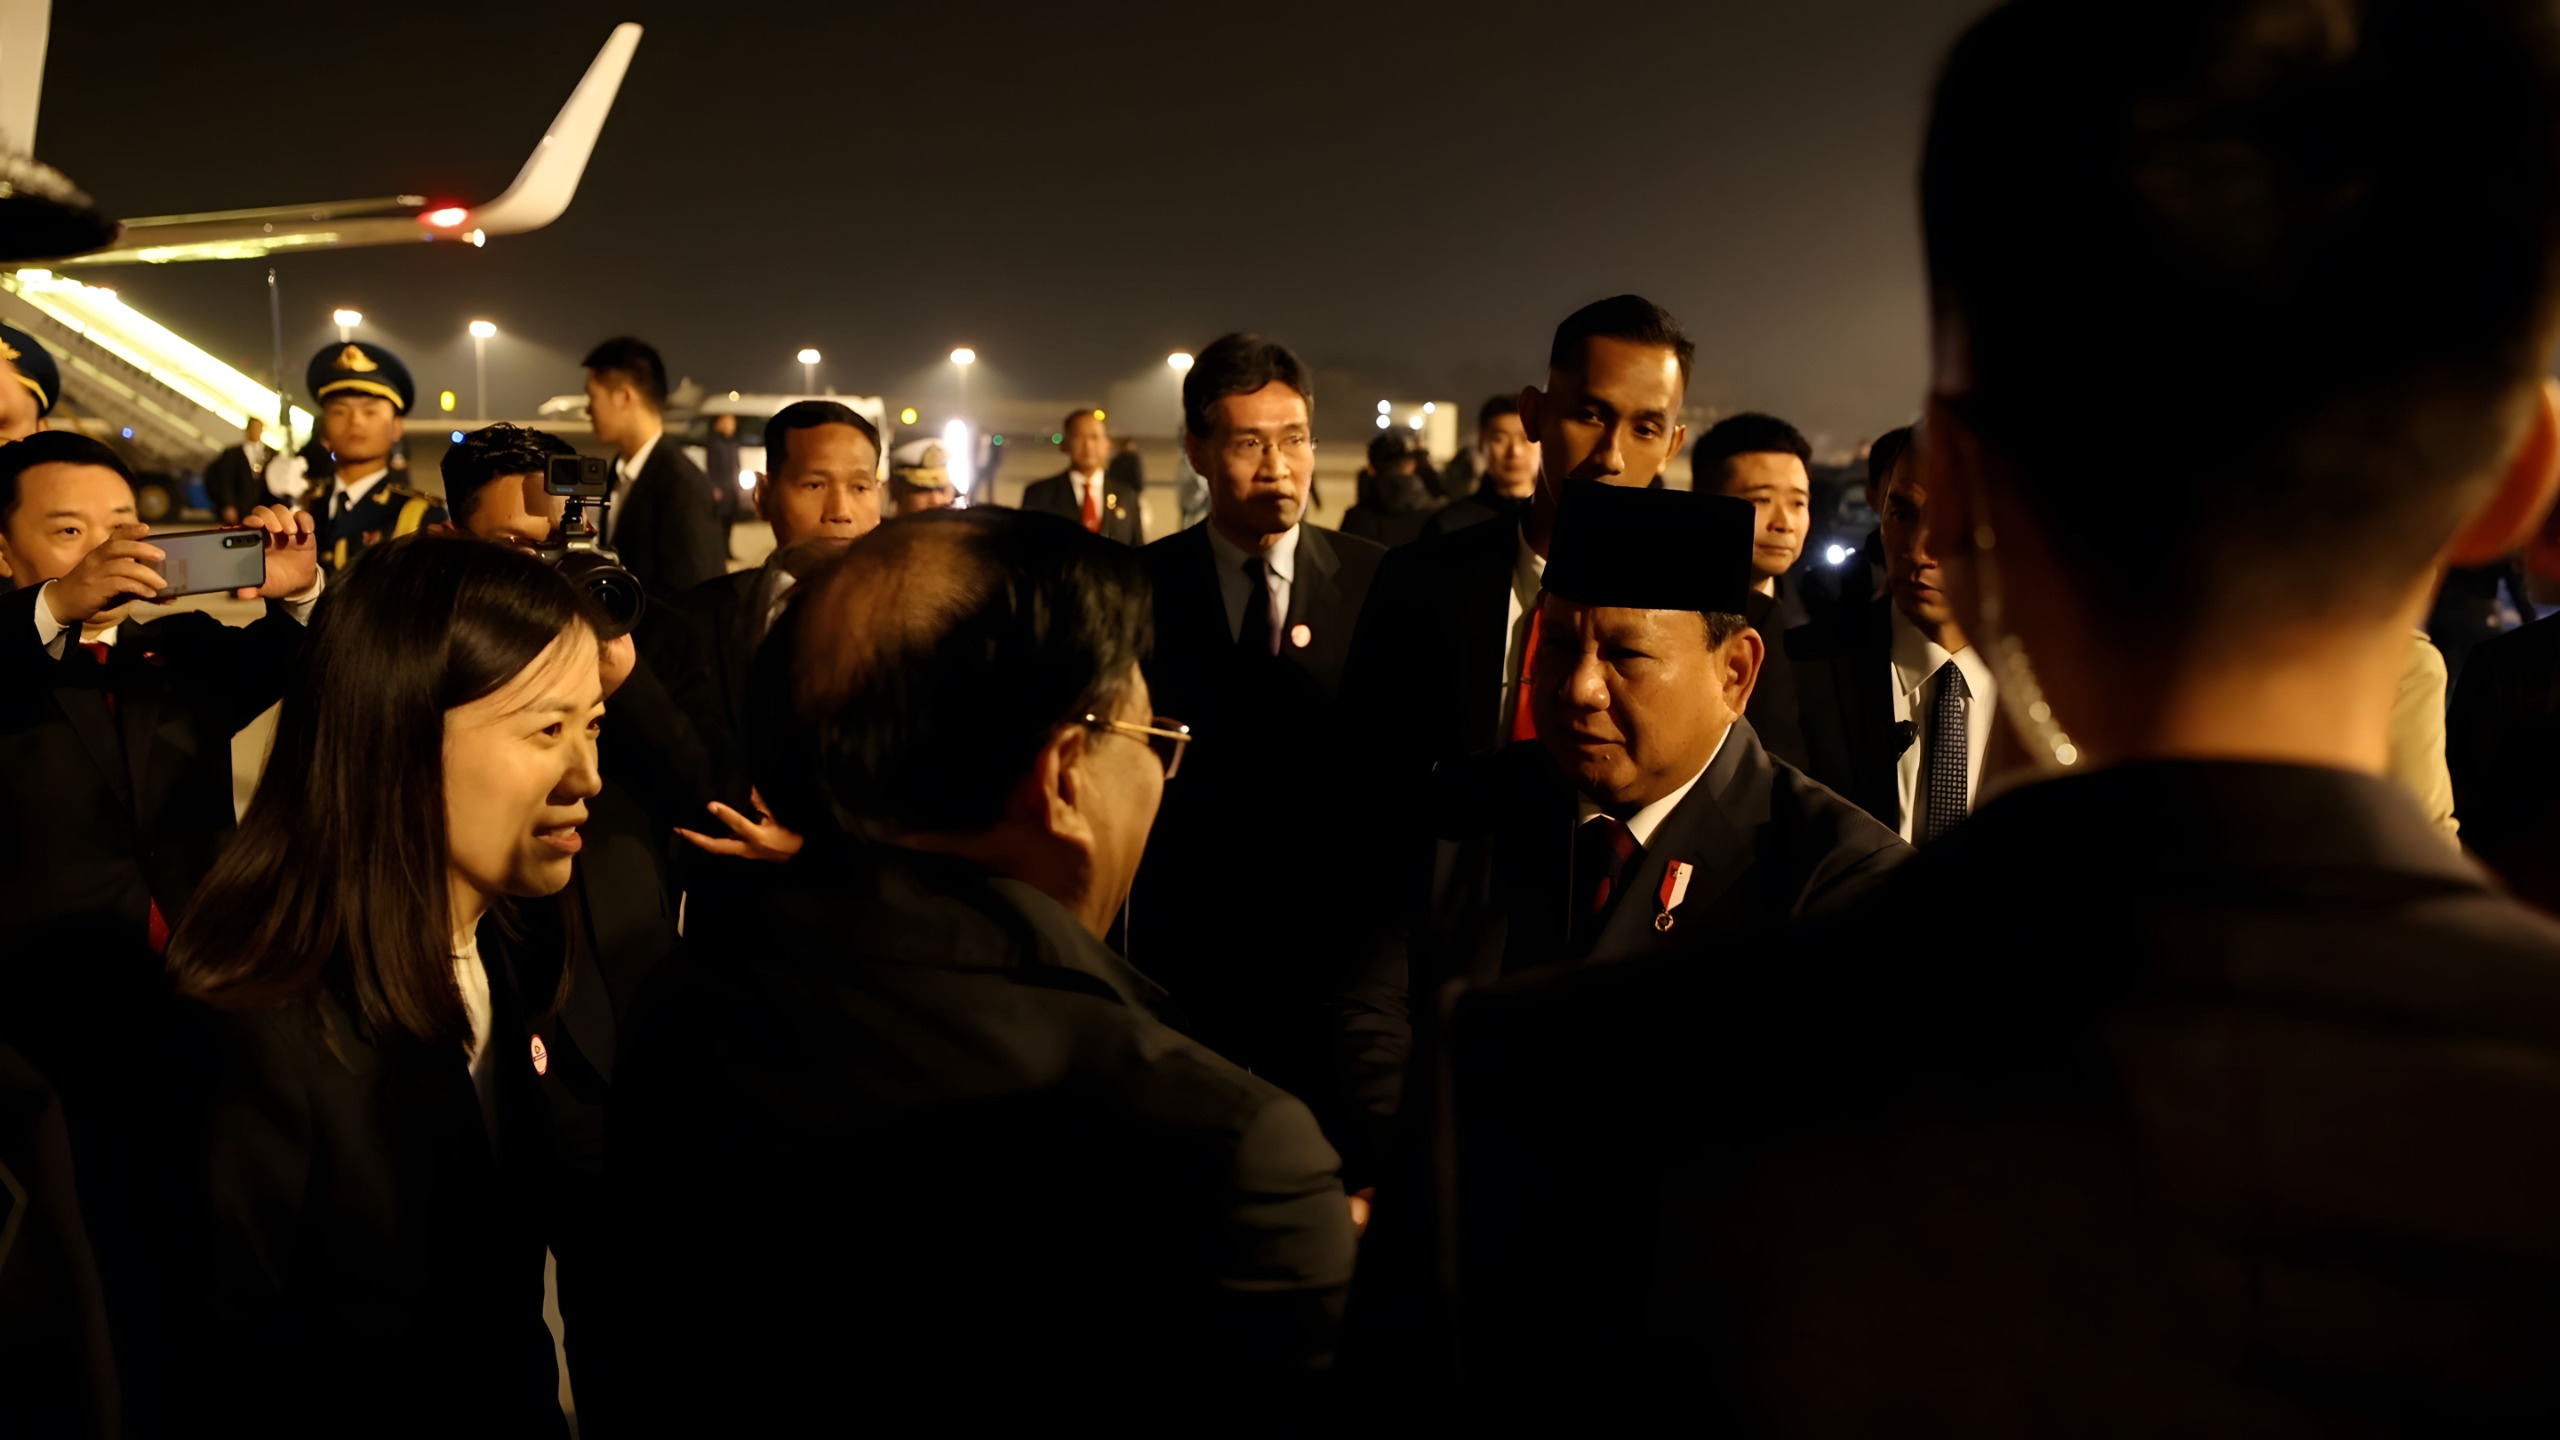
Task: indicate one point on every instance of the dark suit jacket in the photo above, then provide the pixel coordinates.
(2232, 1115)
(2502, 741)
(1224, 913)
(368, 1260)
(665, 531)
(1425, 671)
(111, 805)
(702, 656)
(1120, 503)
(1773, 710)
(1843, 670)
(1485, 504)
(944, 1112)
(231, 480)
(1766, 844)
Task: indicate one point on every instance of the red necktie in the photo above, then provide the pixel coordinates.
(1603, 850)
(1524, 725)
(99, 652)
(1093, 506)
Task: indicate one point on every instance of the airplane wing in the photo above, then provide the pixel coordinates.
(541, 192)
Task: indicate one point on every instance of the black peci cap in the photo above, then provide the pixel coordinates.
(354, 367)
(1639, 549)
(34, 364)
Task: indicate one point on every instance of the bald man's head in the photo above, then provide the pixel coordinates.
(911, 683)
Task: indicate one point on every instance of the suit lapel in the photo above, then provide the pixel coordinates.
(1866, 703)
(1486, 632)
(1714, 830)
(84, 707)
(1315, 600)
(139, 686)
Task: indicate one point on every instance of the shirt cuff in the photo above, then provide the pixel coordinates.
(297, 606)
(48, 629)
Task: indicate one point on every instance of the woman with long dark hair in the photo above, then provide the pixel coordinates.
(367, 1177)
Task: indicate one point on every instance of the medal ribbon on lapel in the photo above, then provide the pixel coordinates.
(1675, 888)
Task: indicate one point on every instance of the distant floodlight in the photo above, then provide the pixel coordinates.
(1415, 422)
(1837, 554)
(1430, 407)
(746, 479)
(446, 401)
(907, 416)
(1384, 407)
(483, 330)
(1384, 422)
(809, 357)
(1179, 361)
(347, 318)
(964, 356)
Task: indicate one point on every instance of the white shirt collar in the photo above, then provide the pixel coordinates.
(1916, 657)
(356, 492)
(630, 469)
(1644, 822)
(1282, 557)
(1528, 571)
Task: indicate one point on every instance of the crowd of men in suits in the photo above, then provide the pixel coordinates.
(2011, 983)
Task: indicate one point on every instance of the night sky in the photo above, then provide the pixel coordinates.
(1410, 194)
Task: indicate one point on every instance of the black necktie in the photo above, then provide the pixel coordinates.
(1945, 776)
(1604, 851)
(1258, 635)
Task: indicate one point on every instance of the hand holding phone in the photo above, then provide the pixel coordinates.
(204, 562)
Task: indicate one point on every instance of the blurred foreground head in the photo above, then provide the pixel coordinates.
(930, 689)
(2243, 308)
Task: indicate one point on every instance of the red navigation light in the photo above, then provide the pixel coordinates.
(448, 217)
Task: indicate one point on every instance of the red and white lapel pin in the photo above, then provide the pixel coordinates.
(1675, 888)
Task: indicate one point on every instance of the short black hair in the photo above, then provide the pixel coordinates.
(635, 362)
(1886, 453)
(2236, 212)
(1493, 409)
(490, 454)
(1387, 447)
(809, 415)
(1629, 318)
(1749, 433)
(910, 684)
(1239, 364)
(52, 447)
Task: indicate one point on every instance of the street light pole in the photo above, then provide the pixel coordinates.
(481, 333)
(347, 320)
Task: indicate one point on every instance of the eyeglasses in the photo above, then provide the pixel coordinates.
(1168, 738)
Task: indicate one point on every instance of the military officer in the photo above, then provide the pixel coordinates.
(24, 405)
(919, 479)
(362, 391)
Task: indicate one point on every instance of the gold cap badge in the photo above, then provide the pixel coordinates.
(354, 358)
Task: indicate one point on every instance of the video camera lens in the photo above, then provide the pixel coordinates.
(613, 591)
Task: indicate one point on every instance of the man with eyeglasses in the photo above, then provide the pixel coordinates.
(1254, 612)
(915, 1080)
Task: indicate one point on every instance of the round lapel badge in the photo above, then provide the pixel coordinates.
(541, 1057)
(1301, 636)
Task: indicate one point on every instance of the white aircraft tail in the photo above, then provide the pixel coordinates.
(549, 180)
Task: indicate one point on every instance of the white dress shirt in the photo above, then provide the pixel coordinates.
(344, 496)
(473, 979)
(52, 634)
(1916, 661)
(625, 472)
(1282, 557)
(1644, 822)
(1528, 574)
